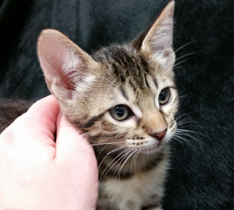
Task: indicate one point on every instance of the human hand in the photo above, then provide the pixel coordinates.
(37, 173)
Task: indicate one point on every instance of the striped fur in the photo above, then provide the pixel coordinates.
(132, 158)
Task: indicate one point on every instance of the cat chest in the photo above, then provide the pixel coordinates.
(140, 190)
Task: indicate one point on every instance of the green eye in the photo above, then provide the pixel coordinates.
(120, 112)
(164, 96)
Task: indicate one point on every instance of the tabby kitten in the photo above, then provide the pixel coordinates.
(123, 98)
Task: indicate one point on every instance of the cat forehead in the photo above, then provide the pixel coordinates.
(125, 62)
(128, 65)
(124, 56)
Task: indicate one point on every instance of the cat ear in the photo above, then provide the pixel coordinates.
(65, 66)
(158, 40)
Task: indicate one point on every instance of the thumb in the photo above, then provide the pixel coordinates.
(71, 145)
(75, 152)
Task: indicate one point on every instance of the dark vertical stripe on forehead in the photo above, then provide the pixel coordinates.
(133, 85)
(144, 64)
(155, 82)
(124, 93)
(118, 72)
(146, 82)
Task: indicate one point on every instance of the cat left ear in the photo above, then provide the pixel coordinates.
(66, 67)
(158, 40)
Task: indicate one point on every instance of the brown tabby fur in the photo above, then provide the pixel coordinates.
(10, 110)
(132, 158)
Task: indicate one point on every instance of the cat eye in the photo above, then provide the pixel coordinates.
(164, 96)
(120, 112)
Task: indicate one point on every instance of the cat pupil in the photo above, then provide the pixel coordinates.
(119, 110)
(164, 96)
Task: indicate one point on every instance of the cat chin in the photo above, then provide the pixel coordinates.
(148, 150)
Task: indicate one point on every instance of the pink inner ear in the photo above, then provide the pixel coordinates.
(159, 37)
(64, 64)
(70, 84)
(56, 55)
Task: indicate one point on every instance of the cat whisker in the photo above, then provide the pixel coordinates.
(135, 153)
(180, 130)
(137, 157)
(105, 172)
(185, 122)
(184, 141)
(185, 55)
(187, 134)
(177, 67)
(180, 115)
(182, 118)
(117, 171)
(191, 122)
(121, 159)
(181, 139)
(178, 59)
(133, 164)
(114, 150)
(127, 156)
(185, 119)
(179, 63)
(184, 96)
(184, 133)
(188, 43)
(107, 143)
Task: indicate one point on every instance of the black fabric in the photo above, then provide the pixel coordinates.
(201, 175)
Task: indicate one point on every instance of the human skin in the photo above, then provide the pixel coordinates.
(38, 173)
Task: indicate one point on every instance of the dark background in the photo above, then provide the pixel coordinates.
(201, 175)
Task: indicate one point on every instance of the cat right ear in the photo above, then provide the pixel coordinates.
(65, 66)
(157, 41)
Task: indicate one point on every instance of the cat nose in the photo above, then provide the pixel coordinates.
(159, 136)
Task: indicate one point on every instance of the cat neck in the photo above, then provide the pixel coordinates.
(124, 165)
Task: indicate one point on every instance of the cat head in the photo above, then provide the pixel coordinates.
(122, 95)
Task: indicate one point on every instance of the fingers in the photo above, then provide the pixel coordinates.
(70, 143)
(34, 131)
(74, 152)
(43, 115)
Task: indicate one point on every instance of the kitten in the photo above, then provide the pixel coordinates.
(123, 98)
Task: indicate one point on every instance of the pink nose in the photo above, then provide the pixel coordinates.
(159, 136)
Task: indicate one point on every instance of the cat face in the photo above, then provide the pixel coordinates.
(137, 98)
(122, 95)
